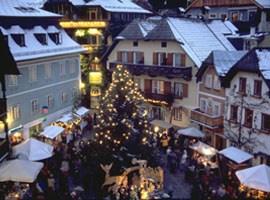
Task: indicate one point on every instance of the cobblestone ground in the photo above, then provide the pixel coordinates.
(175, 182)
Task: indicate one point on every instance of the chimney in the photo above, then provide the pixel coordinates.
(252, 30)
(205, 12)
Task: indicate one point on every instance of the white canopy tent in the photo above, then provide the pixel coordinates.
(67, 118)
(82, 111)
(204, 149)
(236, 155)
(19, 170)
(33, 150)
(161, 124)
(191, 132)
(257, 177)
(52, 131)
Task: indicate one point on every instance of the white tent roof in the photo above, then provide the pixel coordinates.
(236, 155)
(52, 131)
(81, 111)
(192, 132)
(66, 118)
(204, 149)
(161, 124)
(257, 177)
(19, 170)
(33, 150)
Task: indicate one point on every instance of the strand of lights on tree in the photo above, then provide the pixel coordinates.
(120, 119)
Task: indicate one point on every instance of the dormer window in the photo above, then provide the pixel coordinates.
(19, 39)
(55, 37)
(41, 37)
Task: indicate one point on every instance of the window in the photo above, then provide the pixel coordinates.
(178, 114)
(212, 15)
(72, 66)
(223, 16)
(242, 85)
(257, 88)
(135, 43)
(234, 111)
(234, 16)
(34, 106)
(32, 74)
(248, 117)
(208, 81)
(124, 56)
(93, 14)
(62, 68)
(268, 16)
(164, 44)
(158, 87)
(15, 112)
(41, 38)
(64, 96)
(162, 59)
(94, 39)
(203, 104)
(50, 101)
(266, 122)
(177, 59)
(157, 113)
(137, 57)
(216, 109)
(12, 80)
(216, 83)
(55, 37)
(243, 15)
(48, 71)
(19, 39)
(178, 89)
(95, 67)
(73, 93)
(252, 16)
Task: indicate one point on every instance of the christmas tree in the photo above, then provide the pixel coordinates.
(122, 124)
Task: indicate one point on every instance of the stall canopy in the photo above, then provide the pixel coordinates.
(161, 124)
(257, 177)
(19, 170)
(33, 150)
(236, 155)
(82, 111)
(67, 118)
(192, 132)
(52, 131)
(204, 149)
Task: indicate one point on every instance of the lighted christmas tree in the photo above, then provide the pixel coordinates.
(121, 122)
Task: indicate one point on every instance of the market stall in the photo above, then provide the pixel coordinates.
(82, 112)
(191, 132)
(233, 159)
(52, 134)
(255, 181)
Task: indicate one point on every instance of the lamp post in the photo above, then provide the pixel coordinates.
(9, 68)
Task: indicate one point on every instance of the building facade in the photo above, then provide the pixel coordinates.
(247, 116)
(49, 62)
(163, 55)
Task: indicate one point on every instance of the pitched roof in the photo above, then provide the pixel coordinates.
(196, 37)
(256, 60)
(263, 3)
(18, 8)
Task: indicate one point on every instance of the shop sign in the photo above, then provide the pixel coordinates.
(13, 130)
(95, 78)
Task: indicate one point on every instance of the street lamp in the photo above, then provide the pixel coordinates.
(9, 68)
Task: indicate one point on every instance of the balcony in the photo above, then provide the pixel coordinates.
(154, 70)
(211, 122)
(165, 99)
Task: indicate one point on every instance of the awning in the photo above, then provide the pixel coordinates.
(192, 132)
(52, 131)
(204, 149)
(82, 111)
(161, 124)
(236, 155)
(67, 118)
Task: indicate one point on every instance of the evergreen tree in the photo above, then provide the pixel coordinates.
(121, 122)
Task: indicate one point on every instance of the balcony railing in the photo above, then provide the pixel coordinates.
(166, 99)
(155, 70)
(204, 119)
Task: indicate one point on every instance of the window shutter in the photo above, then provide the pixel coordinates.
(167, 87)
(148, 86)
(141, 57)
(185, 90)
(119, 56)
(155, 58)
(183, 59)
(130, 57)
(170, 59)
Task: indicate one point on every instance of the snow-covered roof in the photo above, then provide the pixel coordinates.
(19, 8)
(16, 30)
(52, 29)
(82, 111)
(113, 5)
(39, 29)
(263, 3)
(236, 155)
(33, 49)
(264, 62)
(36, 3)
